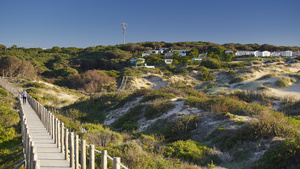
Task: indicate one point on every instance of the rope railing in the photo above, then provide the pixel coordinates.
(66, 141)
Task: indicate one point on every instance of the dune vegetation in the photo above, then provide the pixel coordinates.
(217, 113)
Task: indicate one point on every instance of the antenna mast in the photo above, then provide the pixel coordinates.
(124, 31)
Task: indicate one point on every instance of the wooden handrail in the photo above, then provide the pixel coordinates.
(65, 140)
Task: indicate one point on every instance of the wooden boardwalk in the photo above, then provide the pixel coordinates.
(47, 144)
(49, 156)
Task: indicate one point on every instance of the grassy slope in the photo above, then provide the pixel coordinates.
(234, 148)
(9, 129)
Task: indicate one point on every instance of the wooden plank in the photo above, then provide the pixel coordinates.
(48, 155)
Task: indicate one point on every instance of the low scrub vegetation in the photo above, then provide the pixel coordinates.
(284, 82)
(9, 129)
(268, 76)
(206, 76)
(191, 151)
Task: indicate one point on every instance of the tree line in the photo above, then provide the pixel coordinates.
(65, 65)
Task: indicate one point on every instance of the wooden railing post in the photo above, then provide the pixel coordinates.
(66, 144)
(58, 134)
(117, 160)
(36, 162)
(92, 156)
(62, 137)
(32, 154)
(28, 150)
(83, 155)
(53, 127)
(72, 150)
(48, 122)
(76, 152)
(104, 159)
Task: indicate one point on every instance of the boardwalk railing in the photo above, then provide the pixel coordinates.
(29, 149)
(66, 141)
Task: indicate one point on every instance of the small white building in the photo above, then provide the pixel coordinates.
(146, 66)
(276, 54)
(229, 51)
(154, 52)
(297, 53)
(181, 52)
(168, 61)
(168, 54)
(264, 54)
(247, 53)
(199, 59)
(287, 53)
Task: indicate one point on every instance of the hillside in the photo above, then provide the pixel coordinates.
(232, 117)
(208, 114)
(10, 136)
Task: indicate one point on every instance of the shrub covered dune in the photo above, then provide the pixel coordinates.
(181, 124)
(10, 135)
(174, 144)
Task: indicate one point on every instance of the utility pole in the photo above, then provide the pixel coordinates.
(124, 31)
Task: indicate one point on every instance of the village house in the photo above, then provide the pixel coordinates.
(229, 52)
(168, 61)
(286, 53)
(263, 54)
(247, 53)
(297, 53)
(167, 52)
(275, 54)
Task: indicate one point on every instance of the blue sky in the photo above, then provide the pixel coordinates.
(78, 23)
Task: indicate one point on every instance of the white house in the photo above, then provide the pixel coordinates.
(297, 53)
(154, 52)
(286, 53)
(168, 61)
(245, 53)
(150, 67)
(276, 54)
(199, 59)
(264, 54)
(168, 54)
(229, 51)
(181, 52)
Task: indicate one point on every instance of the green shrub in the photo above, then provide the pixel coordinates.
(242, 95)
(237, 79)
(34, 84)
(231, 72)
(283, 155)
(262, 87)
(211, 63)
(206, 76)
(103, 137)
(129, 120)
(9, 129)
(194, 92)
(3, 92)
(284, 82)
(191, 151)
(181, 128)
(157, 108)
(268, 76)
